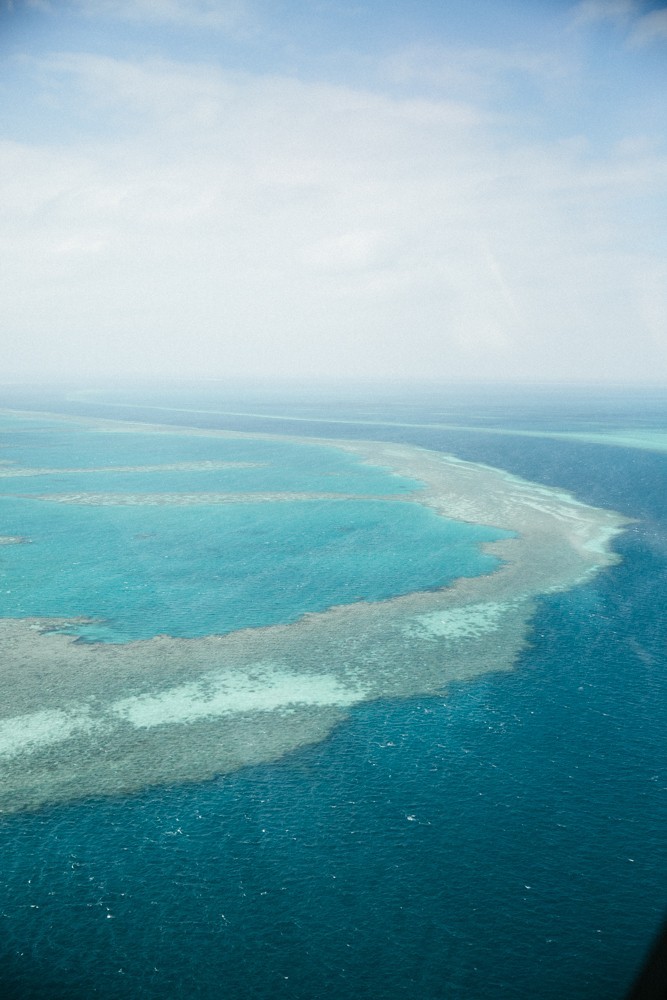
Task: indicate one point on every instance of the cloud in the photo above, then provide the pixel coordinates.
(650, 27)
(476, 72)
(617, 11)
(238, 223)
(225, 15)
(642, 28)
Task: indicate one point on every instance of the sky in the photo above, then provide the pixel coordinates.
(426, 189)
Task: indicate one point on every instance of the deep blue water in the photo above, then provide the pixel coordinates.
(509, 839)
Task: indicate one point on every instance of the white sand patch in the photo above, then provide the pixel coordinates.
(265, 688)
(26, 733)
(460, 623)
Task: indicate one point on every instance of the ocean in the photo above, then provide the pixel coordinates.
(499, 832)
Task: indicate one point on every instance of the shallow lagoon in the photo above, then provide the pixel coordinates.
(193, 570)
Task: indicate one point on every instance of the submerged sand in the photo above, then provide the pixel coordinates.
(82, 719)
(10, 471)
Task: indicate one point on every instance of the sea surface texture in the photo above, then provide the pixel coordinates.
(327, 697)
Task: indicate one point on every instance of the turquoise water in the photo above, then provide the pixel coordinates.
(505, 840)
(280, 465)
(190, 569)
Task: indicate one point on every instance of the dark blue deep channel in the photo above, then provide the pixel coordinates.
(508, 839)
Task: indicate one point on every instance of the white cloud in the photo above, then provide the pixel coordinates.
(642, 27)
(651, 27)
(234, 223)
(592, 11)
(225, 15)
(651, 280)
(476, 72)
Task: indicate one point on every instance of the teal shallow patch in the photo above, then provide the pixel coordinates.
(278, 465)
(193, 571)
(190, 571)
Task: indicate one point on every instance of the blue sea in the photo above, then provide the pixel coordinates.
(509, 839)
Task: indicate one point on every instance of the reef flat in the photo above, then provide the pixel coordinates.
(11, 471)
(95, 718)
(189, 499)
